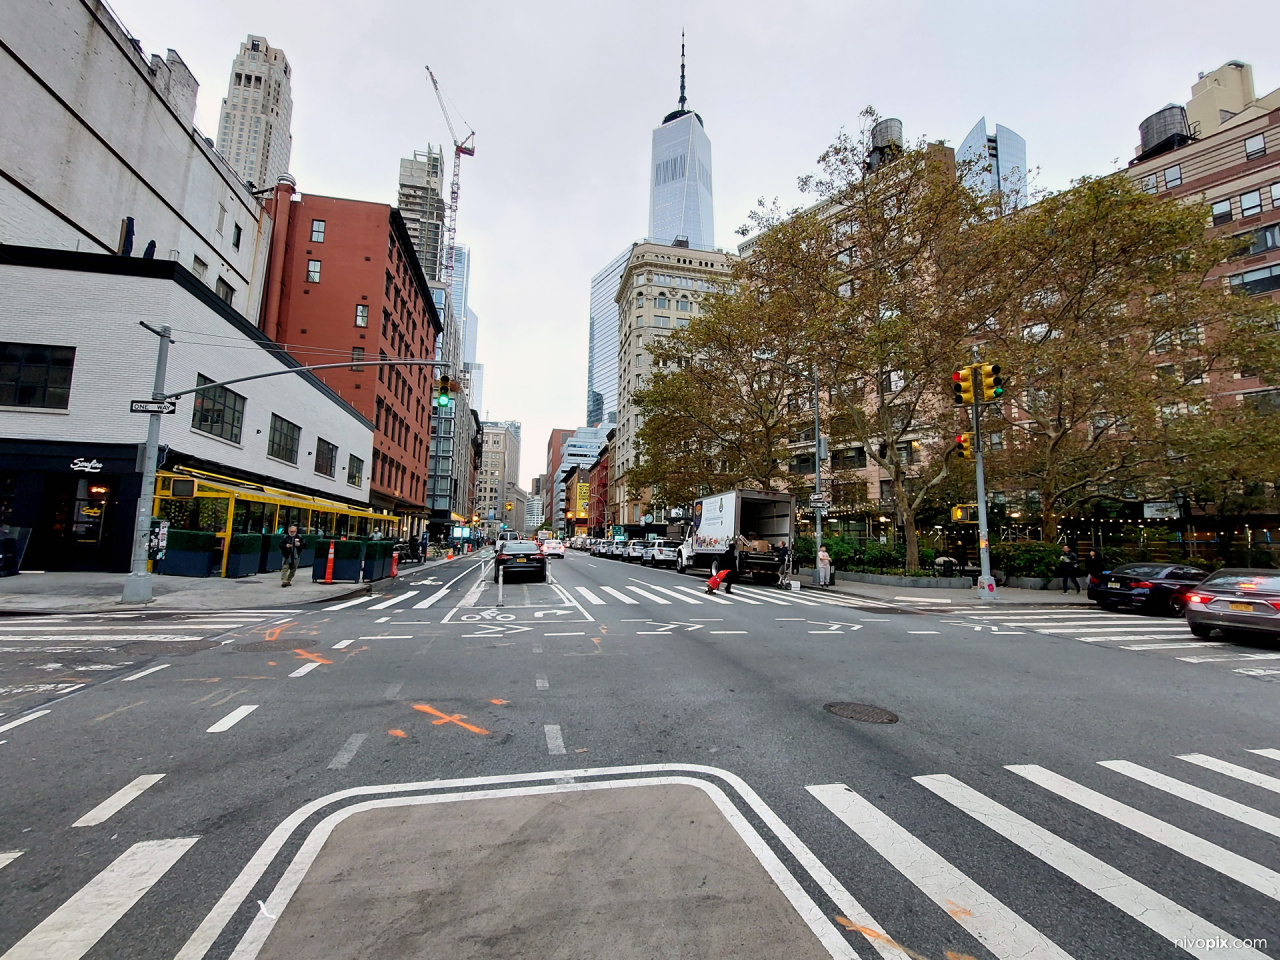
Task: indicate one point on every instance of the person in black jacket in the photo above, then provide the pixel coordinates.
(1069, 568)
(1095, 563)
(290, 551)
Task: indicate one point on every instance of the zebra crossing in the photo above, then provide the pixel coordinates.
(630, 594)
(1219, 793)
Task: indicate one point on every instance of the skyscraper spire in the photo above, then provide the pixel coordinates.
(682, 97)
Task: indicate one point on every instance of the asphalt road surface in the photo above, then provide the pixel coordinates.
(615, 764)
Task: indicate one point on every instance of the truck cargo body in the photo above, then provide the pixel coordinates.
(754, 521)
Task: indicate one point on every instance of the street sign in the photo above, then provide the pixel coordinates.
(817, 498)
(819, 503)
(153, 406)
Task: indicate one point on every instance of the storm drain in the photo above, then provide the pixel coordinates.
(864, 712)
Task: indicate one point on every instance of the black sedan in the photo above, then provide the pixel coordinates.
(1150, 587)
(519, 558)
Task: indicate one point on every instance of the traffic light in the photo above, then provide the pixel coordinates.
(442, 398)
(992, 383)
(510, 505)
(965, 442)
(962, 386)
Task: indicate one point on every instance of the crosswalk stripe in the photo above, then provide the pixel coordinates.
(1193, 794)
(671, 593)
(1211, 855)
(1267, 752)
(1237, 656)
(1001, 930)
(1234, 770)
(703, 595)
(1173, 645)
(755, 592)
(423, 604)
(652, 596)
(619, 594)
(760, 595)
(117, 801)
(71, 931)
(8, 856)
(143, 673)
(1120, 890)
(21, 720)
(392, 601)
(591, 597)
(1115, 626)
(342, 606)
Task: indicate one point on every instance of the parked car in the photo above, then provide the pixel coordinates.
(553, 548)
(519, 558)
(1149, 587)
(634, 550)
(661, 553)
(1238, 600)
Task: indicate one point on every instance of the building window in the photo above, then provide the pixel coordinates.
(236, 233)
(1149, 183)
(854, 459)
(1250, 203)
(313, 271)
(224, 290)
(362, 314)
(218, 411)
(1255, 147)
(357, 356)
(684, 305)
(199, 267)
(661, 322)
(1275, 195)
(1173, 176)
(1262, 239)
(282, 442)
(222, 218)
(317, 231)
(35, 375)
(326, 457)
(1262, 280)
(1221, 212)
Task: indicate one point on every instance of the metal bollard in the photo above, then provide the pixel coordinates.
(502, 575)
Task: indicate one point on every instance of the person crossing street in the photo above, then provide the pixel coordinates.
(290, 551)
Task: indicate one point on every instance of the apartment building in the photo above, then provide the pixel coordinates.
(254, 131)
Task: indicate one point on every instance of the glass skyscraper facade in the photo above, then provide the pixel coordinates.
(680, 195)
(461, 280)
(602, 350)
(1001, 162)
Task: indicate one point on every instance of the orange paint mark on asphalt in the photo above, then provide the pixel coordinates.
(305, 655)
(274, 632)
(500, 702)
(201, 679)
(397, 733)
(877, 935)
(445, 718)
(271, 663)
(952, 955)
(957, 911)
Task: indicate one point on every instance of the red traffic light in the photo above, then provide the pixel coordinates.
(960, 438)
(956, 376)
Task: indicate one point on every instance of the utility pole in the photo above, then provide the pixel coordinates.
(137, 586)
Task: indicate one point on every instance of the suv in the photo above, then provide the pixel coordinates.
(660, 553)
(634, 550)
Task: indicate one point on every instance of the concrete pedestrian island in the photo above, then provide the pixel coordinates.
(628, 874)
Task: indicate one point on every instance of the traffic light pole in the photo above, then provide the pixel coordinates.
(986, 583)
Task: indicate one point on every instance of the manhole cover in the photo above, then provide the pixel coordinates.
(861, 711)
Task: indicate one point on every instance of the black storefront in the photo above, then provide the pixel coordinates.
(80, 501)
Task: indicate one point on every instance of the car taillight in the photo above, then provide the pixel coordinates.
(1197, 598)
(1093, 580)
(1275, 603)
(1143, 585)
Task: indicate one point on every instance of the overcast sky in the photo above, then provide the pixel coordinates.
(564, 97)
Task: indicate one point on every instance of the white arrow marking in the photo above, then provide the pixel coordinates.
(554, 613)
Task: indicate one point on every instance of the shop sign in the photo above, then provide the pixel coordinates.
(86, 466)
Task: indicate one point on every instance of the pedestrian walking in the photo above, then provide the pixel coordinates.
(1095, 564)
(1069, 568)
(290, 551)
(824, 567)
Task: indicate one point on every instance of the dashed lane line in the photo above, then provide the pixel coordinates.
(8, 856)
(423, 604)
(144, 673)
(306, 668)
(344, 756)
(21, 720)
(555, 739)
(347, 603)
(118, 800)
(229, 721)
(541, 682)
(393, 691)
(392, 601)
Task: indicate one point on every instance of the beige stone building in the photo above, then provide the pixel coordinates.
(497, 483)
(660, 291)
(254, 134)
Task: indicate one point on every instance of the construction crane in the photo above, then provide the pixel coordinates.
(461, 148)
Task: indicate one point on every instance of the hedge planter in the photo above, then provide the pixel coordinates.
(190, 553)
(270, 560)
(377, 559)
(936, 583)
(348, 560)
(245, 555)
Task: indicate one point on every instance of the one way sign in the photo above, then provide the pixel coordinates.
(153, 406)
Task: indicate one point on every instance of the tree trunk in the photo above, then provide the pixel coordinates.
(1048, 522)
(913, 543)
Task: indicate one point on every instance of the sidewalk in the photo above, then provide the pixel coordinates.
(1005, 596)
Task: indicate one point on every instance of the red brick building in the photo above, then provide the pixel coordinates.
(598, 519)
(344, 284)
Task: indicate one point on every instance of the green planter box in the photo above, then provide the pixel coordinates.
(348, 560)
(190, 553)
(269, 559)
(377, 559)
(245, 555)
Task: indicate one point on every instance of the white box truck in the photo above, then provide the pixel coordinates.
(746, 524)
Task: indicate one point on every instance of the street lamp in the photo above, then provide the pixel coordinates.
(816, 500)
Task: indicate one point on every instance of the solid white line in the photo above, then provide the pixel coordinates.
(589, 595)
(919, 633)
(343, 644)
(423, 604)
(619, 594)
(117, 800)
(1202, 798)
(1233, 770)
(670, 593)
(8, 856)
(348, 603)
(926, 599)
(1214, 857)
(227, 722)
(21, 720)
(555, 740)
(726, 631)
(306, 668)
(343, 756)
(540, 680)
(143, 673)
(71, 931)
(392, 601)
(651, 596)
(578, 634)
(1120, 890)
(1001, 930)
(702, 595)
(572, 601)
(389, 636)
